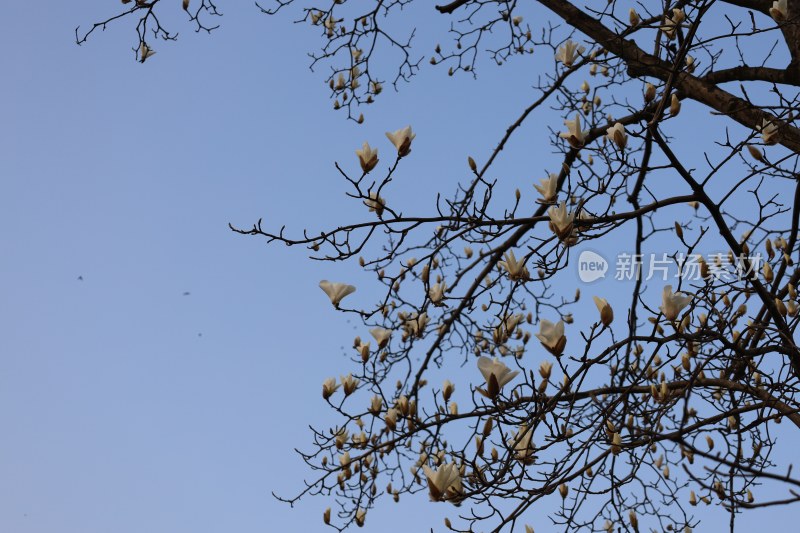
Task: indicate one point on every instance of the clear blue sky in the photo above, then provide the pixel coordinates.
(126, 406)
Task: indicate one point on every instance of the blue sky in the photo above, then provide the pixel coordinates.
(127, 406)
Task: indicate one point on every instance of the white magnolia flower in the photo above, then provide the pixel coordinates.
(585, 87)
(552, 336)
(344, 459)
(336, 291)
(361, 515)
(649, 92)
(436, 293)
(391, 418)
(145, 52)
(496, 374)
(617, 135)
(415, 324)
(561, 220)
(567, 52)
(368, 157)
(401, 139)
(574, 135)
(516, 270)
(522, 444)
(769, 131)
(671, 24)
(674, 105)
(363, 350)
(606, 313)
(349, 383)
(633, 17)
(548, 188)
(375, 405)
(375, 203)
(546, 369)
(341, 437)
(447, 389)
(381, 335)
(340, 81)
(444, 482)
(673, 303)
(329, 386)
(779, 10)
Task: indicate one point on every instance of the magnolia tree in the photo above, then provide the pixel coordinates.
(620, 419)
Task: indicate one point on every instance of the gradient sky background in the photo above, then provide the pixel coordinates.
(127, 407)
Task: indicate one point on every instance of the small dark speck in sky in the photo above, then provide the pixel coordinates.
(187, 293)
(80, 278)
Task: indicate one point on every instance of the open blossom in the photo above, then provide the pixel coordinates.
(361, 515)
(336, 291)
(375, 405)
(779, 10)
(671, 24)
(548, 188)
(375, 203)
(401, 139)
(415, 324)
(329, 386)
(381, 335)
(496, 374)
(436, 293)
(561, 220)
(606, 313)
(391, 418)
(349, 383)
(617, 135)
(574, 135)
(340, 438)
(522, 444)
(368, 157)
(444, 482)
(516, 269)
(769, 132)
(567, 52)
(673, 303)
(552, 336)
(145, 52)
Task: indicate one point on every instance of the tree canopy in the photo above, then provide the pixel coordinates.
(599, 416)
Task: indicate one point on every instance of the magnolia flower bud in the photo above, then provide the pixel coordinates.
(633, 17)
(563, 490)
(756, 153)
(675, 105)
(606, 313)
(768, 275)
(649, 92)
(545, 369)
(447, 389)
